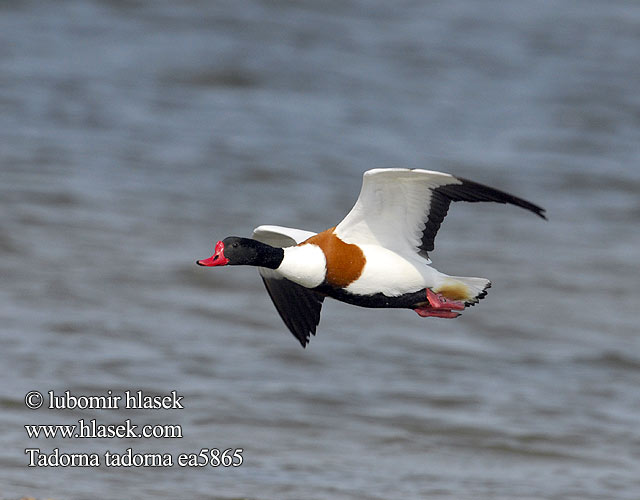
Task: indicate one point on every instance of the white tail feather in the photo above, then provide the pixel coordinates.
(471, 290)
(478, 287)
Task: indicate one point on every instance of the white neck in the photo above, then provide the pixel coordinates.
(305, 265)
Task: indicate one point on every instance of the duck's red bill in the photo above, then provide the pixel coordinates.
(217, 259)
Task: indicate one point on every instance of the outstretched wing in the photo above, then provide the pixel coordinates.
(402, 209)
(280, 236)
(298, 306)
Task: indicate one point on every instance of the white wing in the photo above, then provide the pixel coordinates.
(402, 209)
(298, 306)
(279, 236)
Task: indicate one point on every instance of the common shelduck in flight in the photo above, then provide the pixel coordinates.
(376, 257)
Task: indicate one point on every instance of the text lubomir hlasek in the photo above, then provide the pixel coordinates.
(131, 400)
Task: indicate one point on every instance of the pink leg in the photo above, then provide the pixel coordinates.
(437, 301)
(427, 312)
(439, 306)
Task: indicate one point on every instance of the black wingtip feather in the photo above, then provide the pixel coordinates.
(481, 192)
(470, 191)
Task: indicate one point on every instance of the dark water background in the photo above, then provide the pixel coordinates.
(133, 135)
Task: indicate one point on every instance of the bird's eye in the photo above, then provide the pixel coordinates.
(235, 245)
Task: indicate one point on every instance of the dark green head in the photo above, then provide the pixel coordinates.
(236, 251)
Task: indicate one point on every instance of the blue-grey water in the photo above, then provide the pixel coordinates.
(134, 135)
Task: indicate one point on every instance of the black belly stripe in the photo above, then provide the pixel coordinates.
(377, 300)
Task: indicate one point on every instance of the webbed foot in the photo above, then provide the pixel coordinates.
(439, 306)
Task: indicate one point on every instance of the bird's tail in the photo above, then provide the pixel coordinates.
(469, 290)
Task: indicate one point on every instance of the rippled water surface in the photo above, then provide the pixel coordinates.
(134, 135)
